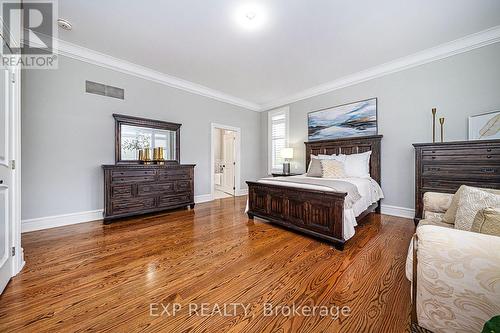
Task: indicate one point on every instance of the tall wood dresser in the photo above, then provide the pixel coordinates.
(443, 167)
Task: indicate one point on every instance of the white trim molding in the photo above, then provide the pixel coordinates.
(55, 221)
(408, 213)
(461, 45)
(237, 171)
(60, 220)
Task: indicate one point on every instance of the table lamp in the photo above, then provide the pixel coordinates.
(287, 154)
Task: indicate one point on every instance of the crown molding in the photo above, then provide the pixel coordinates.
(93, 57)
(465, 44)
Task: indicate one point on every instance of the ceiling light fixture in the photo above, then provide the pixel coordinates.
(250, 16)
(64, 24)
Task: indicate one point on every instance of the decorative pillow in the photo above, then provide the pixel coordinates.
(314, 169)
(358, 165)
(340, 158)
(332, 169)
(451, 213)
(473, 200)
(487, 221)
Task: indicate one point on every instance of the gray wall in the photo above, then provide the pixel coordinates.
(67, 134)
(458, 86)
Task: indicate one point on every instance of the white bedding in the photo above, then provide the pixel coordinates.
(368, 188)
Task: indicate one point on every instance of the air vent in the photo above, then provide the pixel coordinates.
(104, 90)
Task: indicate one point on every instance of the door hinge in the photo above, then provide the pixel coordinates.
(13, 77)
(234, 188)
(13, 251)
(13, 164)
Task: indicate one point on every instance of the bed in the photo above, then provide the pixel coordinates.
(315, 209)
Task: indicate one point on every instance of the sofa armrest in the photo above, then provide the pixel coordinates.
(437, 202)
(458, 279)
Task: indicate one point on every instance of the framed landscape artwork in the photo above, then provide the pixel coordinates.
(343, 121)
(485, 126)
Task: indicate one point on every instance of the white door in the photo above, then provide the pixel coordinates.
(5, 176)
(229, 163)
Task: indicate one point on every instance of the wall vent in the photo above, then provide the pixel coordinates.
(104, 90)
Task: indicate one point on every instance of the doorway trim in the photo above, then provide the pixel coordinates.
(237, 172)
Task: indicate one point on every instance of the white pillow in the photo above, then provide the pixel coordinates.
(358, 165)
(340, 158)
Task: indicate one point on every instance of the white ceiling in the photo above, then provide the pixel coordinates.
(304, 43)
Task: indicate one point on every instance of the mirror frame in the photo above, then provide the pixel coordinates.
(121, 119)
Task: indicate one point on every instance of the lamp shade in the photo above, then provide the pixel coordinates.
(287, 152)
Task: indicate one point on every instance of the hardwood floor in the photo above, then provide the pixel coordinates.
(94, 277)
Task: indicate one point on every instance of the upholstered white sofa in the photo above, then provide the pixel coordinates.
(457, 284)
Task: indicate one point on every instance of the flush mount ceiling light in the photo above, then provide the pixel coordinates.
(250, 16)
(64, 24)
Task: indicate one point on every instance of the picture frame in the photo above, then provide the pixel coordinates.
(354, 119)
(484, 126)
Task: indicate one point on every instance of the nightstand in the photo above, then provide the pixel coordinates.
(280, 174)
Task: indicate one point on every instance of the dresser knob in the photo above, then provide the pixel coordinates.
(433, 157)
(488, 150)
(489, 156)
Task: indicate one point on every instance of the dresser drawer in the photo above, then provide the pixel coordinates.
(485, 158)
(166, 201)
(132, 205)
(462, 151)
(148, 189)
(131, 173)
(183, 185)
(121, 191)
(487, 172)
(174, 174)
(133, 179)
(453, 185)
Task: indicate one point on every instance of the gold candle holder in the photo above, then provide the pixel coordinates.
(141, 155)
(155, 154)
(147, 155)
(441, 121)
(161, 159)
(433, 125)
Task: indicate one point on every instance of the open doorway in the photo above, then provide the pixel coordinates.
(225, 159)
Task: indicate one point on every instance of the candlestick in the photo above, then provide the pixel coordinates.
(441, 121)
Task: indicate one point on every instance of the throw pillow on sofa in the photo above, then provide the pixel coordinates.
(487, 221)
(472, 200)
(451, 213)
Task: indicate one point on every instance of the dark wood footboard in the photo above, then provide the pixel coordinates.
(317, 213)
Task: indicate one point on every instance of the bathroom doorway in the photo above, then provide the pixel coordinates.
(225, 164)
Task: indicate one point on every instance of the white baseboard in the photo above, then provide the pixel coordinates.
(60, 220)
(48, 222)
(398, 211)
(242, 192)
(203, 198)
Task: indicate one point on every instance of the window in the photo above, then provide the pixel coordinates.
(278, 137)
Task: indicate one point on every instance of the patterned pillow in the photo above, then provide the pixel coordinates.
(451, 213)
(332, 169)
(471, 202)
(487, 221)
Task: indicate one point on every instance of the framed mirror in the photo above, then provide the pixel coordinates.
(133, 134)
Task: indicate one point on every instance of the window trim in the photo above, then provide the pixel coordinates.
(283, 110)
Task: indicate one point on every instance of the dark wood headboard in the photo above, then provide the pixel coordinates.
(349, 146)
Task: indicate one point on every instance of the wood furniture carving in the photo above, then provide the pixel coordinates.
(131, 188)
(317, 213)
(443, 167)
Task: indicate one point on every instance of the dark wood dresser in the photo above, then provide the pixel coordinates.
(138, 189)
(443, 167)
